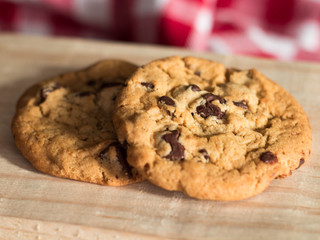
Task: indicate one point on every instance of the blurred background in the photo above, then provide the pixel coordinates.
(278, 29)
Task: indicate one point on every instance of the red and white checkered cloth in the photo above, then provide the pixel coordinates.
(281, 29)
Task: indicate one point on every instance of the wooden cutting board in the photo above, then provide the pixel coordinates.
(37, 206)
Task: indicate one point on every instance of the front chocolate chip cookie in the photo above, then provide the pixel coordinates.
(193, 125)
(63, 126)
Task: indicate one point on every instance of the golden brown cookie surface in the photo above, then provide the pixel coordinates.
(63, 126)
(214, 133)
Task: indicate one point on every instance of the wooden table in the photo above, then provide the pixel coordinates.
(37, 206)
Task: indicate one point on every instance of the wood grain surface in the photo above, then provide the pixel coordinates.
(38, 206)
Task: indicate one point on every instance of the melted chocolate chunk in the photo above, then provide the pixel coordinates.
(177, 149)
(211, 97)
(110, 84)
(44, 92)
(195, 88)
(208, 110)
(148, 85)
(167, 101)
(230, 71)
(121, 156)
(268, 157)
(205, 153)
(198, 73)
(243, 104)
(300, 163)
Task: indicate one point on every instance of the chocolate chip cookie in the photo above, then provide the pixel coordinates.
(213, 132)
(63, 126)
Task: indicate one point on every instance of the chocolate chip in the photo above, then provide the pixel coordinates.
(91, 83)
(300, 163)
(229, 71)
(83, 94)
(232, 70)
(205, 153)
(210, 110)
(167, 101)
(250, 74)
(268, 157)
(243, 104)
(211, 97)
(121, 156)
(177, 149)
(148, 85)
(195, 88)
(110, 84)
(44, 92)
(198, 73)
